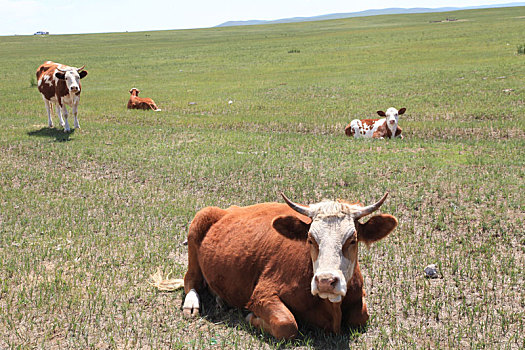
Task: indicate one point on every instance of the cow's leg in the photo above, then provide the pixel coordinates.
(59, 113)
(194, 279)
(378, 135)
(48, 109)
(75, 111)
(65, 115)
(270, 314)
(356, 314)
(357, 132)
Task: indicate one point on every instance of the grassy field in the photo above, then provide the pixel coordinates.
(86, 217)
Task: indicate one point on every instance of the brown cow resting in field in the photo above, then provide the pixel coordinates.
(136, 102)
(283, 261)
(60, 84)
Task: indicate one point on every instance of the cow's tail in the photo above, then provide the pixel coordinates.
(199, 226)
(165, 284)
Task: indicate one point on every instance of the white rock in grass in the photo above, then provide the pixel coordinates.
(431, 271)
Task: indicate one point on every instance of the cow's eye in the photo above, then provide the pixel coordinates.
(311, 241)
(350, 242)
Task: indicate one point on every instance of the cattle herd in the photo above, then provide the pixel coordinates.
(279, 261)
(60, 84)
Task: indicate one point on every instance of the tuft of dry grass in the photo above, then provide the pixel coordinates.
(165, 284)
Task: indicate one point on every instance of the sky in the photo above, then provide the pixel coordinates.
(98, 16)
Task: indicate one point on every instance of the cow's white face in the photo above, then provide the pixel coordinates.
(72, 78)
(392, 116)
(333, 248)
(333, 239)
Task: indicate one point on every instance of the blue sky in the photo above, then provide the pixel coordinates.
(95, 16)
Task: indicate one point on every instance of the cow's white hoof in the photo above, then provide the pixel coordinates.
(191, 305)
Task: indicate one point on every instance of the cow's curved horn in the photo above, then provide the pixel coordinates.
(81, 68)
(61, 70)
(370, 208)
(301, 209)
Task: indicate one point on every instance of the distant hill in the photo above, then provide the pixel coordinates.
(388, 11)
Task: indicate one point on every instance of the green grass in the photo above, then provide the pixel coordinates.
(86, 217)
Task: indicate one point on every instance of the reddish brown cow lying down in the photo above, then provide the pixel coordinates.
(136, 102)
(284, 261)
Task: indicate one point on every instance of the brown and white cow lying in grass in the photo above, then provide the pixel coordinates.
(282, 262)
(60, 84)
(136, 102)
(377, 128)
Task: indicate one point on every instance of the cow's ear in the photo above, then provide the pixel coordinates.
(60, 75)
(378, 227)
(83, 74)
(401, 111)
(381, 113)
(291, 226)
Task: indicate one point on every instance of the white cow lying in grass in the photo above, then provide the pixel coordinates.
(377, 128)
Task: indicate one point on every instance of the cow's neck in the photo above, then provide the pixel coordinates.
(337, 315)
(390, 132)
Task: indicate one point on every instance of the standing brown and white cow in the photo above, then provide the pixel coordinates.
(283, 261)
(60, 84)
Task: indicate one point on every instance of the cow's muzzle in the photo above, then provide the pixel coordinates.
(328, 286)
(326, 283)
(74, 89)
